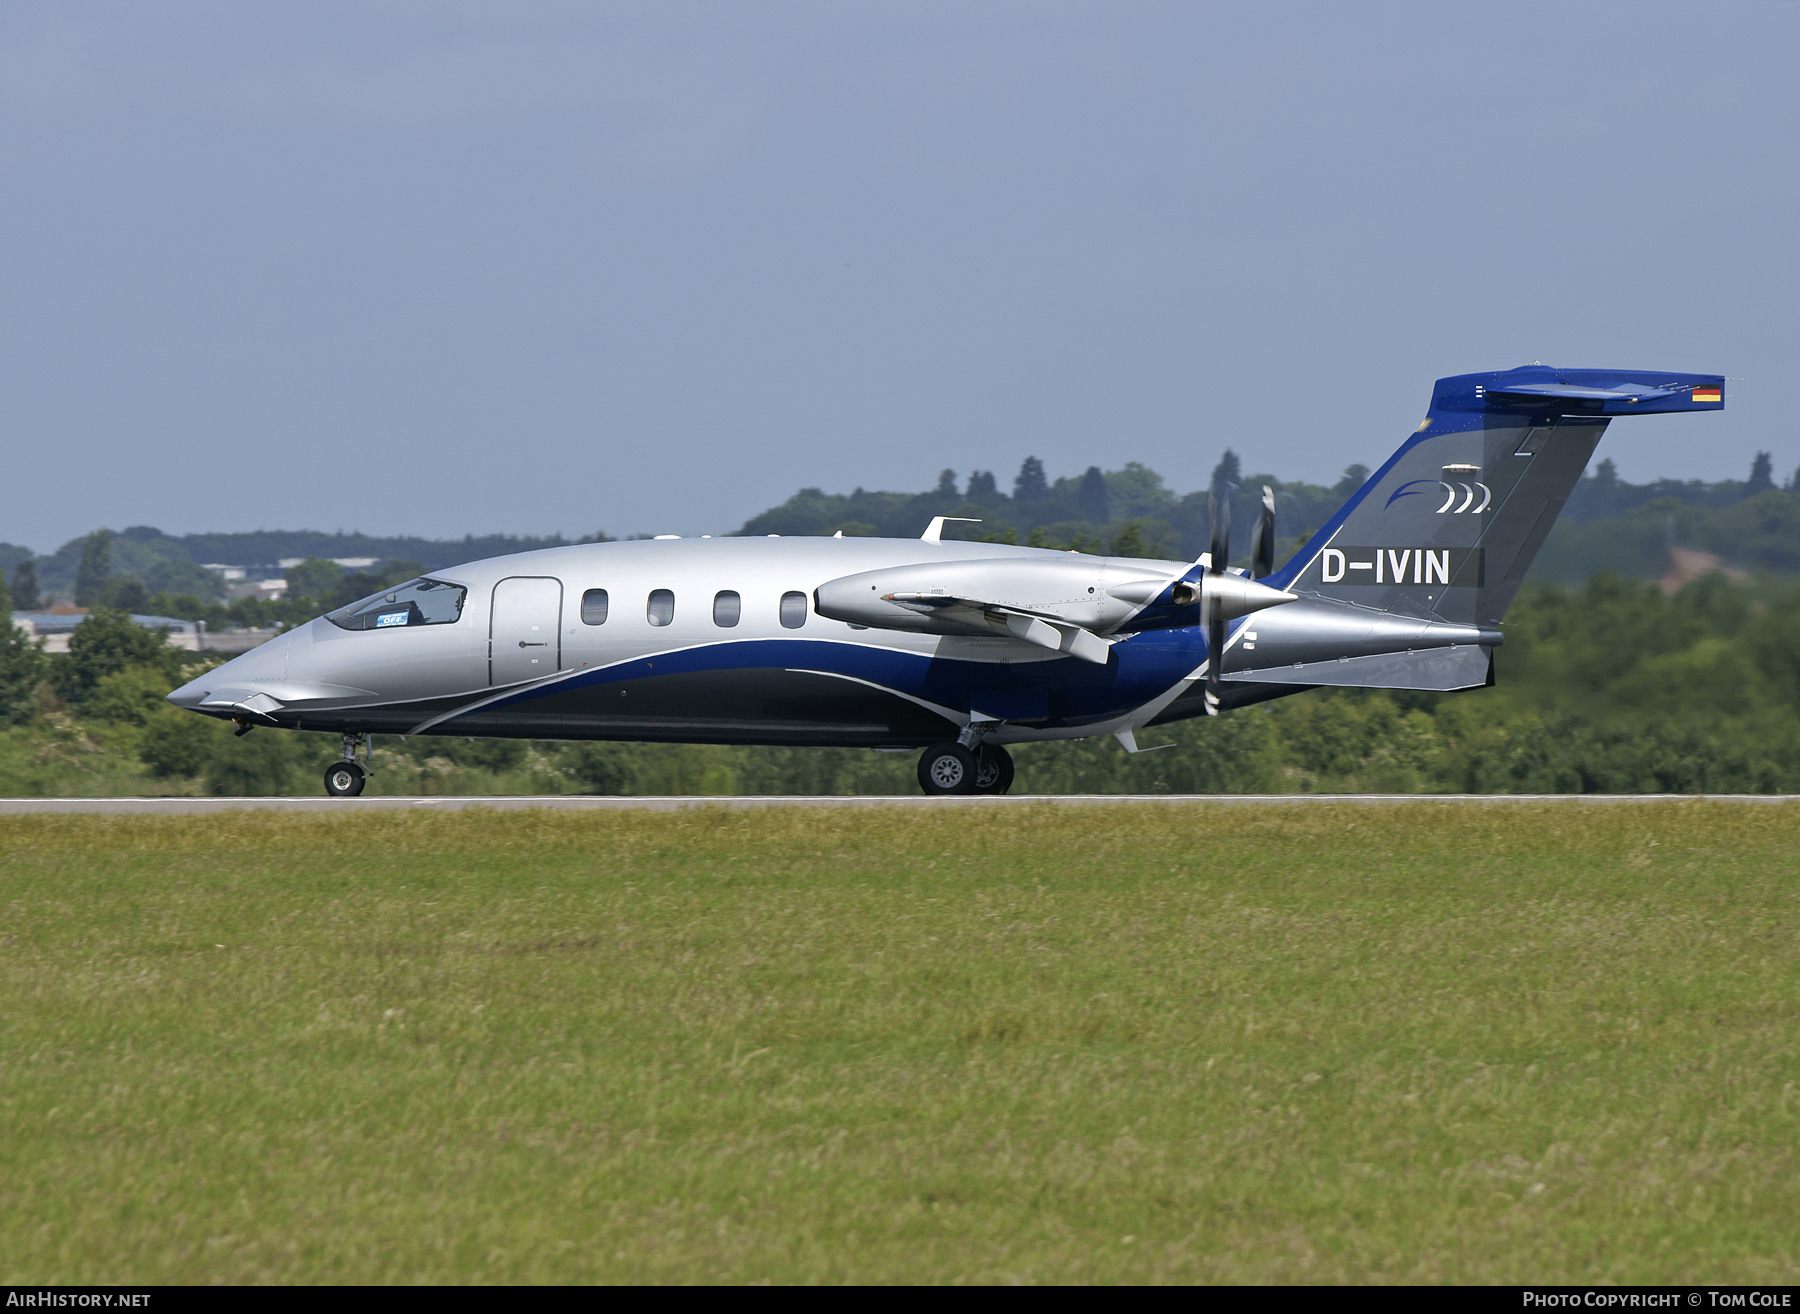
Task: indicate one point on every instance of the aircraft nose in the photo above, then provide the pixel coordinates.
(190, 694)
(233, 672)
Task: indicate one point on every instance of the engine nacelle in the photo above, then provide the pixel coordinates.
(1096, 594)
(947, 597)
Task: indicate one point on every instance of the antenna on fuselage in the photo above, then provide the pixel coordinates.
(934, 532)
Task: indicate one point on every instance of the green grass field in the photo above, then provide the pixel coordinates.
(1320, 1043)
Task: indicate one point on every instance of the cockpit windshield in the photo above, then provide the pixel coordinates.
(418, 602)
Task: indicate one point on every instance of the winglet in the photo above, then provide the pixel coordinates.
(934, 532)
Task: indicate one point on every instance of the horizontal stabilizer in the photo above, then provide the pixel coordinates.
(1608, 396)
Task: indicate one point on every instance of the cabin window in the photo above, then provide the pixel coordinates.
(728, 608)
(417, 602)
(793, 610)
(662, 607)
(593, 607)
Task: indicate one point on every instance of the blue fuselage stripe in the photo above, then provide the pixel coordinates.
(1142, 668)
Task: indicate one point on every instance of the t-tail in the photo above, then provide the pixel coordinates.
(1406, 585)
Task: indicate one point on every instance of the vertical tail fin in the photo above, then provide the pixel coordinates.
(1448, 527)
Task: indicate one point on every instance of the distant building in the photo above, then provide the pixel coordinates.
(55, 628)
(265, 581)
(348, 563)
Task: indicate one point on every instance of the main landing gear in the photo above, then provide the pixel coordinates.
(345, 779)
(951, 768)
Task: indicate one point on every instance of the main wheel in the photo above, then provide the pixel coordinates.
(993, 770)
(947, 768)
(344, 779)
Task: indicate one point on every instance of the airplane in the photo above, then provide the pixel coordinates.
(962, 648)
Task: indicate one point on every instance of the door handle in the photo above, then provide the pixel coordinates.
(523, 644)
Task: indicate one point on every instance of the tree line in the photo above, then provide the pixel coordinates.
(1608, 523)
(1614, 687)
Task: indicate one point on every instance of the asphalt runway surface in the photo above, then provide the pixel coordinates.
(675, 803)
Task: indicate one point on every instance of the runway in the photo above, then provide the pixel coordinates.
(676, 803)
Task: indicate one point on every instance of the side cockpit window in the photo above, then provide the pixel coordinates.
(417, 602)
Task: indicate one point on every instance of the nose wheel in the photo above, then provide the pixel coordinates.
(345, 779)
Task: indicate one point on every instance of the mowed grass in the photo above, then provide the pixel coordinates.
(1315, 1043)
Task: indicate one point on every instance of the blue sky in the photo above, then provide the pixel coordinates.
(449, 268)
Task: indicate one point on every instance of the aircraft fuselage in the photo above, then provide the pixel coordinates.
(677, 658)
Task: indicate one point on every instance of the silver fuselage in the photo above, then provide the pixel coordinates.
(692, 679)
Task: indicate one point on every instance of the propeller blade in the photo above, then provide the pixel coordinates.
(1215, 652)
(1220, 509)
(1262, 539)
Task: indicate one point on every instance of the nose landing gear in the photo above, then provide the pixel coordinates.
(345, 779)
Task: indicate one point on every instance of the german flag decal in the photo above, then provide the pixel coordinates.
(1707, 392)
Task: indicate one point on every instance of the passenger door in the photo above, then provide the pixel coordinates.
(523, 630)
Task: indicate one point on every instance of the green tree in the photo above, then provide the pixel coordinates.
(96, 566)
(1137, 491)
(25, 586)
(1605, 487)
(131, 696)
(1091, 497)
(265, 762)
(1354, 478)
(604, 768)
(1030, 485)
(126, 593)
(21, 665)
(1129, 541)
(315, 578)
(104, 643)
(177, 743)
(1082, 542)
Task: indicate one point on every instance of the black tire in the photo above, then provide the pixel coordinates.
(947, 768)
(993, 770)
(344, 779)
